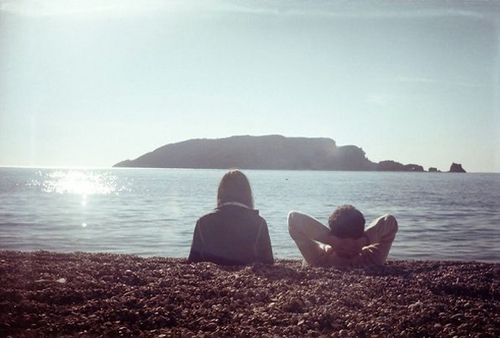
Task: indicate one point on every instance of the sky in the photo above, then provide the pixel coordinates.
(91, 83)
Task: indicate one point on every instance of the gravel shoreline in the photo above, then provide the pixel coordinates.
(82, 294)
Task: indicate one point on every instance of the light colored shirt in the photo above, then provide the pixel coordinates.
(306, 231)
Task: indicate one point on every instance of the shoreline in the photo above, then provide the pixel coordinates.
(98, 294)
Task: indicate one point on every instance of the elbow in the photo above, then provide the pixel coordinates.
(292, 224)
(392, 222)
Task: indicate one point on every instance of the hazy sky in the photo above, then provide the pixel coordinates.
(94, 82)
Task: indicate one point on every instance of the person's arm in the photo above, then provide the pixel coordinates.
(306, 231)
(378, 240)
(348, 247)
(264, 248)
(196, 253)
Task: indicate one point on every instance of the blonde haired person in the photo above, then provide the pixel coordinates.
(234, 233)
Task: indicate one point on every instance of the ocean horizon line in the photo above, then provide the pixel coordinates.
(223, 169)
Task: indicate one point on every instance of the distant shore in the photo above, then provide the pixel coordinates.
(82, 294)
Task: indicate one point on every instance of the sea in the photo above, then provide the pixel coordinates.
(152, 212)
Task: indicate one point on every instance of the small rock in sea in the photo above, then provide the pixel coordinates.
(61, 280)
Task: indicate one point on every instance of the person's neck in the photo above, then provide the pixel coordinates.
(238, 204)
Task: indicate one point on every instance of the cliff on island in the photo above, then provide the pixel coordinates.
(456, 168)
(271, 152)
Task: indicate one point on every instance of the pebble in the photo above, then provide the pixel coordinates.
(211, 302)
(413, 306)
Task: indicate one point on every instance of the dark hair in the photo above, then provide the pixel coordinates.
(235, 187)
(347, 222)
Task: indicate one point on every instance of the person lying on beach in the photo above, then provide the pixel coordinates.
(234, 233)
(347, 241)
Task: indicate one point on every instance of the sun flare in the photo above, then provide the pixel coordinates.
(77, 182)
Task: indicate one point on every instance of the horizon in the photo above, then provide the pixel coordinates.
(203, 139)
(87, 84)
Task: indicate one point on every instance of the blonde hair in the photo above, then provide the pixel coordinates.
(235, 187)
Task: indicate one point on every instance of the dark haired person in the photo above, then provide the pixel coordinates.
(234, 233)
(347, 241)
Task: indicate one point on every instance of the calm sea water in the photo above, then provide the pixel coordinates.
(152, 212)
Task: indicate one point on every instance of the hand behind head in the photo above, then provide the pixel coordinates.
(347, 247)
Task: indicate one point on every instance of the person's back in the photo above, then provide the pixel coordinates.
(231, 235)
(347, 241)
(234, 233)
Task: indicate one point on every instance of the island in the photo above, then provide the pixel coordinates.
(269, 152)
(456, 168)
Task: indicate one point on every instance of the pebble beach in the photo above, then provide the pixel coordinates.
(46, 294)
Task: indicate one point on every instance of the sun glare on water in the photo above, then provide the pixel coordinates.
(77, 182)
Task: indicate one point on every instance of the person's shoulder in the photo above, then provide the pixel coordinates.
(231, 213)
(209, 215)
(325, 258)
(261, 219)
(254, 213)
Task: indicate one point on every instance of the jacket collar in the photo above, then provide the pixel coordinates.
(238, 204)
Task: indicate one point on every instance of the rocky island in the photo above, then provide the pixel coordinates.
(271, 152)
(456, 168)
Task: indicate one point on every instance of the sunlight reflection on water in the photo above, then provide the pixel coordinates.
(79, 182)
(153, 212)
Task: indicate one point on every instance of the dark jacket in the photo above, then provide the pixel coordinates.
(231, 235)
